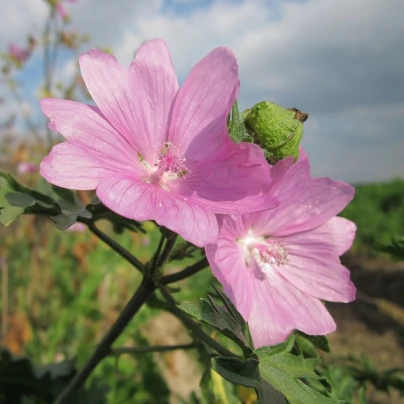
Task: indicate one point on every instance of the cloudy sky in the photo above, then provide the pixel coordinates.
(340, 60)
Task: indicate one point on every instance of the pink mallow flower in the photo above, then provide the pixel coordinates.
(156, 152)
(18, 53)
(77, 227)
(63, 14)
(276, 265)
(27, 168)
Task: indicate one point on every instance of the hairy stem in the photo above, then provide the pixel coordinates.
(185, 273)
(148, 349)
(116, 247)
(145, 290)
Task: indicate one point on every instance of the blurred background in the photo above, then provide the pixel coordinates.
(341, 62)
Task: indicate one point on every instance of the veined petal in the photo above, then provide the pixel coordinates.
(304, 203)
(140, 201)
(203, 103)
(279, 308)
(153, 86)
(313, 265)
(232, 181)
(85, 126)
(70, 166)
(227, 261)
(107, 82)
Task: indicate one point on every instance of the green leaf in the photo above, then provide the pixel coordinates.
(283, 370)
(237, 127)
(223, 318)
(276, 349)
(58, 203)
(247, 374)
(395, 248)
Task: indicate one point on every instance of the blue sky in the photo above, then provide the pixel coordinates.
(338, 60)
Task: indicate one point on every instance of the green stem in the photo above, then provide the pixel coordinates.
(158, 251)
(145, 290)
(147, 349)
(185, 273)
(194, 327)
(116, 247)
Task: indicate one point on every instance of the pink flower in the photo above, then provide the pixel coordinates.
(63, 14)
(276, 265)
(26, 168)
(77, 227)
(156, 152)
(19, 54)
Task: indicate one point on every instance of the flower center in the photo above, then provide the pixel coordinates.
(265, 252)
(169, 166)
(171, 161)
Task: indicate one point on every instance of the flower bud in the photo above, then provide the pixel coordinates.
(277, 130)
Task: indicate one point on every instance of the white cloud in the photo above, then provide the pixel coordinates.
(18, 18)
(338, 60)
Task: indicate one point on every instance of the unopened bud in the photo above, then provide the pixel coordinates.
(277, 130)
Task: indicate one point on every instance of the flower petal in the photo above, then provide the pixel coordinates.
(140, 114)
(85, 126)
(198, 124)
(140, 201)
(232, 181)
(304, 203)
(107, 82)
(227, 261)
(279, 308)
(153, 86)
(70, 166)
(313, 264)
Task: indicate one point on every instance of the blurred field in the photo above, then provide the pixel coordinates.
(62, 290)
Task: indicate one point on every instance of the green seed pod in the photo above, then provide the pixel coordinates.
(277, 130)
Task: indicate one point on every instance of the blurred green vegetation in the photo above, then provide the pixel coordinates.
(378, 211)
(61, 291)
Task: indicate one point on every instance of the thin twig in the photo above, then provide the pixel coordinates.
(150, 349)
(4, 297)
(116, 247)
(158, 251)
(185, 273)
(168, 249)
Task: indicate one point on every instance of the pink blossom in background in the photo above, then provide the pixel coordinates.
(77, 227)
(156, 152)
(277, 265)
(63, 14)
(18, 53)
(27, 168)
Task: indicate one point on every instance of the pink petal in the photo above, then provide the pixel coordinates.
(111, 87)
(140, 201)
(340, 232)
(304, 203)
(313, 264)
(61, 11)
(84, 126)
(227, 261)
(232, 181)
(70, 166)
(279, 308)
(153, 86)
(199, 116)
(107, 81)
